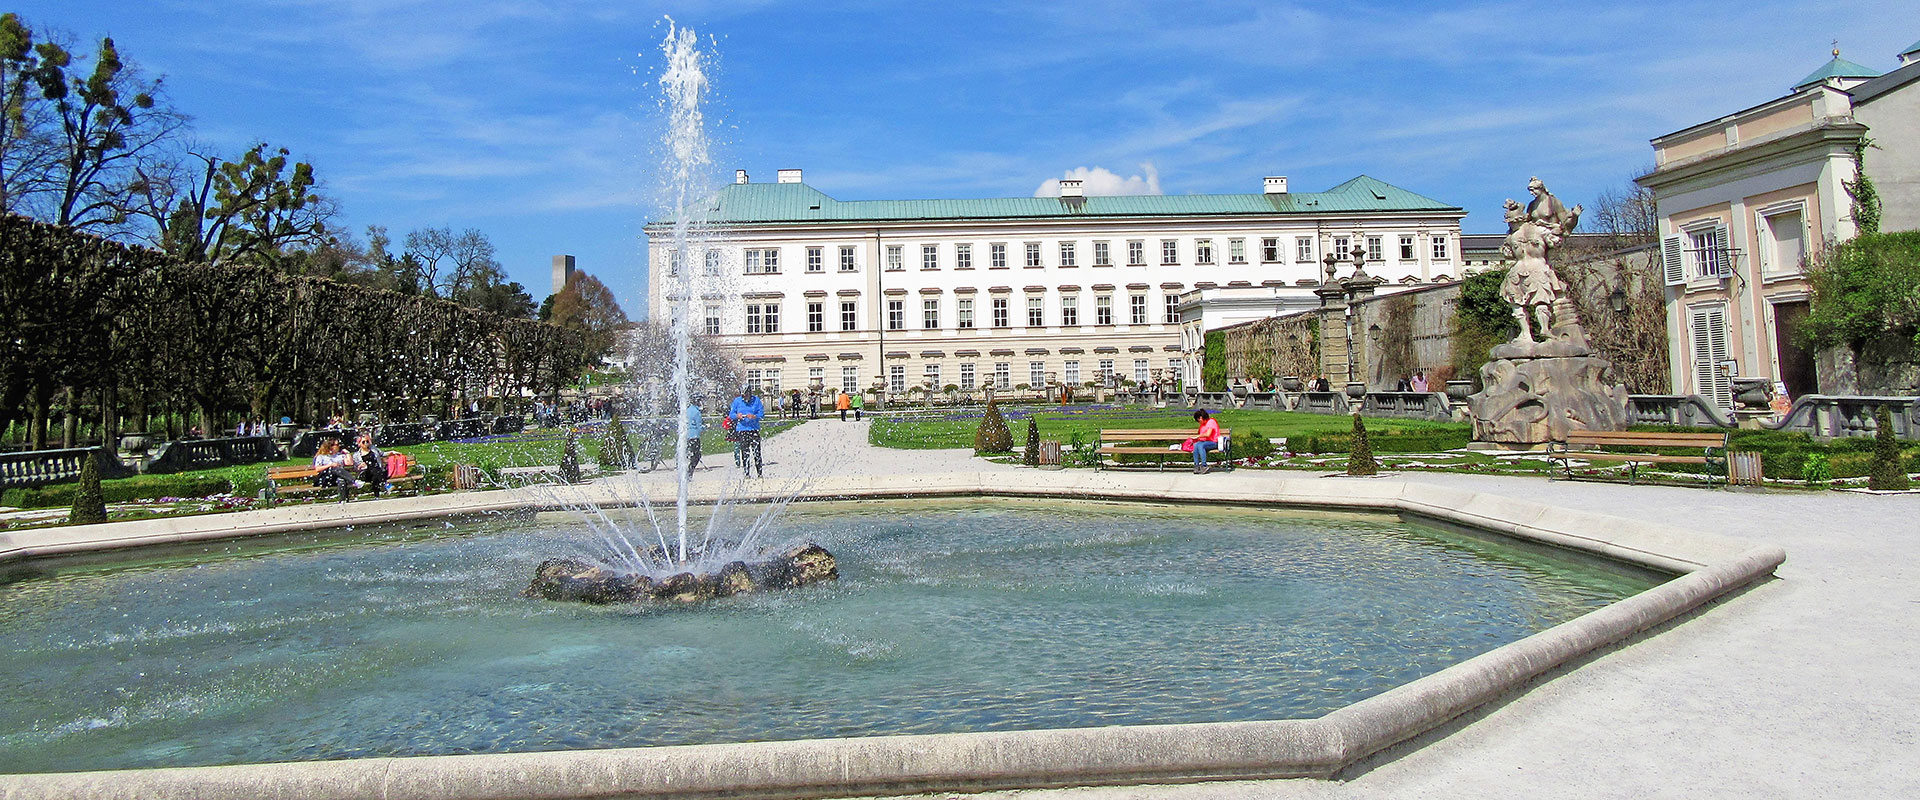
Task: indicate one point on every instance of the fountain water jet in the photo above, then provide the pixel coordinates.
(716, 566)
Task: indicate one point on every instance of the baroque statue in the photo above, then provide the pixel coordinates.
(1546, 382)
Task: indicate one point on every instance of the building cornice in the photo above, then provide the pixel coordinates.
(1829, 135)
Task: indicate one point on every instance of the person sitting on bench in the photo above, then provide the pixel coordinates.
(372, 463)
(1207, 438)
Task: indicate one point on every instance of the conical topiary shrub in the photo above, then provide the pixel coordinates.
(88, 505)
(570, 459)
(992, 436)
(1888, 475)
(1360, 460)
(616, 450)
(1033, 442)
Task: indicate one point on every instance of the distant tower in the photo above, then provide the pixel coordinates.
(562, 273)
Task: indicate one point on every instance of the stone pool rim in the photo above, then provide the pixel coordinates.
(1705, 566)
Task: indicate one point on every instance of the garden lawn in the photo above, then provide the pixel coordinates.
(956, 429)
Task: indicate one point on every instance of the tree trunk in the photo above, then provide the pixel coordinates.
(37, 428)
(70, 421)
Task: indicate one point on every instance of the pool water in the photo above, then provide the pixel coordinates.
(958, 616)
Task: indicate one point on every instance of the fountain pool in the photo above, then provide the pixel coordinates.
(960, 615)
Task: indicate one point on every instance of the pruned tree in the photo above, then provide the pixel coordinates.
(104, 126)
(250, 210)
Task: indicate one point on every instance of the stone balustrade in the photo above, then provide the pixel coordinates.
(1843, 416)
(1679, 410)
(31, 468)
(192, 454)
(1407, 405)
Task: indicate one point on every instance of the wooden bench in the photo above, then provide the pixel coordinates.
(285, 482)
(1117, 442)
(1590, 446)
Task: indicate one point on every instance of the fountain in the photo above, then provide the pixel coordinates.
(720, 564)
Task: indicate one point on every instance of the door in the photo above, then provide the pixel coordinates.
(1796, 361)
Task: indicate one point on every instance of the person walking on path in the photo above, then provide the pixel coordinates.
(841, 403)
(695, 427)
(1207, 438)
(746, 412)
(858, 401)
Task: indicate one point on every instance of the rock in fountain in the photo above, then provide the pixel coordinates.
(1537, 391)
(573, 580)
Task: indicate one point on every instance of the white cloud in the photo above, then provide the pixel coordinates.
(1102, 181)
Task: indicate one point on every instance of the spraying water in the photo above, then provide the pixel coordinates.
(683, 84)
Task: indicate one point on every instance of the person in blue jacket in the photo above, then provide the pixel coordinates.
(694, 428)
(746, 412)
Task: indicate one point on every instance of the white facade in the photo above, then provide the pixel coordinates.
(1016, 292)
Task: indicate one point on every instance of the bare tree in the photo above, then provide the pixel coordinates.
(1627, 215)
(104, 126)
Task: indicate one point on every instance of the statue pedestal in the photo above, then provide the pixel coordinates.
(1539, 392)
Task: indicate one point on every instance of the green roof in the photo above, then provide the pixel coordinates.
(1837, 68)
(1911, 49)
(747, 203)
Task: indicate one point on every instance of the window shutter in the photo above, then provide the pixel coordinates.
(1720, 248)
(1709, 349)
(1673, 259)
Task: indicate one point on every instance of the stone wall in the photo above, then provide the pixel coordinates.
(1396, 334)
(1273, 348)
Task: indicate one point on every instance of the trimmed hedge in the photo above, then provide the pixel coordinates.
(144, 487)
(1785, 454)
(1383, 441)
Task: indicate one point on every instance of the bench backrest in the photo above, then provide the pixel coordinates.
(1144, 433)
(1647, 439)
(291, 473)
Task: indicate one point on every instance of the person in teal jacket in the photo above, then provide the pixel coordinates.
(695, 427)
(746, 412)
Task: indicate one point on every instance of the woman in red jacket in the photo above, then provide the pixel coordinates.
(1207, 438)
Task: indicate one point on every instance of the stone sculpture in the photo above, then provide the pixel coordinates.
(1546, 382)
(574, 580)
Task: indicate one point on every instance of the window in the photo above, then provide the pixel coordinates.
(846, 259)
(1033, 254)
(1406, 248)
(999, 312)
(1169, 251)
(1137, 309)
(1140, 371)
(1103, 310)
(1106, 368)
(772, 381)
(931, 373)
(1036, 373)
(1002, 375)
(896, 315)
(753, 379)
(1269, 250)
(816, 317)
(1069, 309)
(1707, 250)
(711, 263)
(1440, 247)
(929, 256)
(1136, 253)
(894, 257)
(757, 318)
(1067, 255)
(672, 260)
(816, 376)
(966, 375)
(963, 256)
(850, 379)
(1783, 240)
(1303, 249)
(1236, 251)
(1072, 372)
(1203, 251)
(713, 321)
(997, 255)
(849, 316)
(1102, 254)
(897, 378)
(1174, 370)
(929, 314)
(763, 262)
(1341, 249)
(1374, 251)
(1173, 309)
(1036, 316)
(963, 309)
(816, 259)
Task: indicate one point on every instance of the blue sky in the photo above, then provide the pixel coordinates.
(537, 122)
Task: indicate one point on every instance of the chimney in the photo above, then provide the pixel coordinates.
(1070, 187)
(1276, 184)
(562, 273)
(789, 176)
(739, 176)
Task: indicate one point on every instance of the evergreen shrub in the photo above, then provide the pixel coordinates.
(1033, 442)
(992, 436)
(1888, 474)
(1360, 458)
(88, 505)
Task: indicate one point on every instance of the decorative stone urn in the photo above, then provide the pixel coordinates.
(1753, 394)
(1356, 389)
(1290, 383)
(136, 443)
(1457, 391)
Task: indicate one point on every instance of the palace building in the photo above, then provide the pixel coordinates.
(1026, 290)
